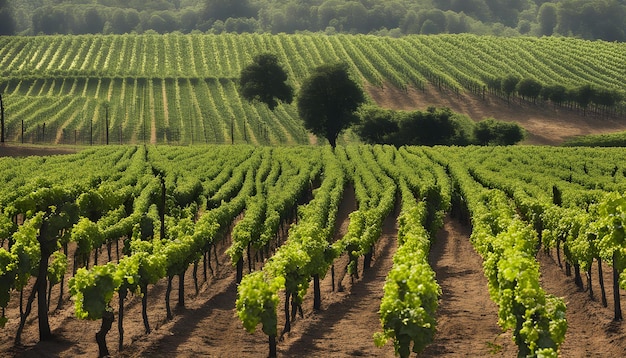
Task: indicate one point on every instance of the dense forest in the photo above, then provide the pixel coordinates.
(597, 19)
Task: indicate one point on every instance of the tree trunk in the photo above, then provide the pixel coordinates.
(217, 262)
(295, 307)
(367, 259)
(589, 283)
(62, 283)
(239, 270)
(287, 315)
(41, 285)
(195, 276)
(49, 294)
(204, 268)
(317, 295)
(616, 298)
(181, 290)
(120, 324)
(272, 344)
(249, 259)
(144, 307)
(601, 280)
(107, 322)
(332, 141)
(578, 280)
(168, 291)
(23, 316)
(208, 256)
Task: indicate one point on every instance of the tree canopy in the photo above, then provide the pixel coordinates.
(493, 132)
(435, 126)
(7, 22)
(265, 80)
(328, 100)
(589, 19)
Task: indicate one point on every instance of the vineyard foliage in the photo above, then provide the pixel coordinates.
(182, 89)
(158, 211)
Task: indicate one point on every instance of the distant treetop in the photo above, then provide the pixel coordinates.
(595, 19)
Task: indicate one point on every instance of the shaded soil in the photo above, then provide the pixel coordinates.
(467, 319)
(545, 124)
(10, 150)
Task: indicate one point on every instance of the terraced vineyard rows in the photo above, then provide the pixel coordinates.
(120, 221)
(181, 89)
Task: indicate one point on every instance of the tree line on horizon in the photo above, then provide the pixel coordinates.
(597, 19)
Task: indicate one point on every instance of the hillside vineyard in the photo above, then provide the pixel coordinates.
(182, 89)
(114, 221)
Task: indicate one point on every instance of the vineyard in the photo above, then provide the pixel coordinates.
(103, 235)
(182, 89)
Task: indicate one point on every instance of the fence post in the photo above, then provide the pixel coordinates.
(107, 123)
(1, 119)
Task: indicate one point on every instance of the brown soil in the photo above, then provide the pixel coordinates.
(545, 124)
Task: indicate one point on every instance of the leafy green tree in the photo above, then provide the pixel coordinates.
(223, 9)
(555, 93)
(93, 22)
(431, 127)
(508, 85)
(328, 101)
(494, 132)
(377, 125)
(7, 22)
(266, 81)
(547, 19)
(607, 97)
(583, 95)
(529, 88)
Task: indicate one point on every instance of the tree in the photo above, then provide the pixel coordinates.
(377, 125)
(7, 22)
(529, 88)
(547, 18)
(583, 95)
(555, 93)
(328, 101)
(223, 9)
(431, 127)
(508, 85)
(265, 80)
(494, 132)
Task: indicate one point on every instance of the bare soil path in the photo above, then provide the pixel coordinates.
(467, 319)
